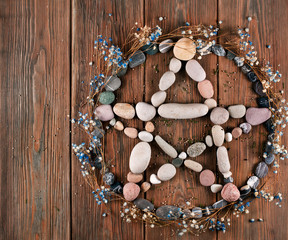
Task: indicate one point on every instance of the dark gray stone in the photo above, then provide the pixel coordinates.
(270, 158)
(117, 187)
(122, 71)
(165, 45)
(113, 83)
(268, 147)
(258, 88)
(220, 204)
(197, 212)
(269, 126)
(150, 49)
(109, 178)
(177, 162)
(238, 61)
(168, 212)
(263, 102)
(218, 50)
(137, 59)
(261, 170)
(246, 127)
(253, 182)
(230, 55)
(252, 77)
(144, 204)
(228, 180)
(246, 68)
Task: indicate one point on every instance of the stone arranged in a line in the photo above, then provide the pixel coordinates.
(184, 50)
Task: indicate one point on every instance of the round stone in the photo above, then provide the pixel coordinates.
(149, 127)
(253, 182)
(131, 132)
(182, 155)
(211, 103)
(112, 83)
(165, 45)
(195, 166)
(158, 98)
(196, 149)
(237, 111)
(236, 132)
(219, 115)
(124, 110)
(106, 97)
(207, 178)
(145, 186)
(131, 191)
(140, 157)
(177, 162)
(166, 172)
(145, 111)
(257, 116)
(119, 126)
(205, 89)
(175, 65)
(167, 212)
(195, 71)
(182, 110)
(223, 160)
(218, 135)
(104, 112)
(184, 49)
(215, 188)
(134, 178)
(261, 170)
(154, 179)
(166, 147)
(246, 127)
(109, 178)
(143, 204)
(209, 141)
(167, 80)
(228, 137)
(145, 136)
(230, 192)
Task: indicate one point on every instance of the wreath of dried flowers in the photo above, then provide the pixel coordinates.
(110, 60)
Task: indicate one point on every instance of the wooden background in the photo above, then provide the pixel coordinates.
(45, 48)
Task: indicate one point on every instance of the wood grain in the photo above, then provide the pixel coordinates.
(35, 102)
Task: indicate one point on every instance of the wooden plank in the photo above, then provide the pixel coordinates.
(267, 27)
(89, 19)
(35, 100)
(186, 184)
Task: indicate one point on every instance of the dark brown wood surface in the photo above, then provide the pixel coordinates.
(45, 48)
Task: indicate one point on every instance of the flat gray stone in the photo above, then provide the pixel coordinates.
(144, 204)
(137, 59)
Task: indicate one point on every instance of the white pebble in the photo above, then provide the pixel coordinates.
(182, 155)
(209, 141)
(154, 179)
(228, 137)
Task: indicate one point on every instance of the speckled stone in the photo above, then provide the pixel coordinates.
(124, 110)
(113, 83)
(252, 77)
(230, 192)
(104, 112)
(150, 49)
(144, 204)
(218, 50)
(177, 162)
(246, 127)
(197, 212)
(166, 147)
(261, 170)
(263, 102)
(219, 115)
(137, 59)
(258, 88)
(236, 132)
(195, 166)
(207, 178)
(109, 178)
(165, 45)
(135, 178)
(106, 97)
(256, 116)
(195, 71)
(168, 212)
(184, 49)
(131, 191)
(196, 149)
(253, 182)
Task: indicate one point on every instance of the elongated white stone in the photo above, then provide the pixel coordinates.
(166, 147)
(223, 160)
(140, 157)
(218, 135)
(182, 110)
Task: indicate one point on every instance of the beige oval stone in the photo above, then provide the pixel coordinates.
(149, 127)
(166, 172)
(195, 166)
(218, 135)
(135, 178)
(223, 160)
(236, 132)
(119, 126)
(184, 49)
(140, 157)
(237, 111)
(131, 132)
(145, 186)
(124, 110)
(195, 70)
(205, 89)
(211, 103)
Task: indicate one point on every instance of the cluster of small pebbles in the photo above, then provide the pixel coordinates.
(184, 50)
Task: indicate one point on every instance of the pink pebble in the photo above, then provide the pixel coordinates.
(230, 192)
(207, 178)
(131, 191)
(104, 112)
(237, 132)
(205, 88)
(256, 116)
